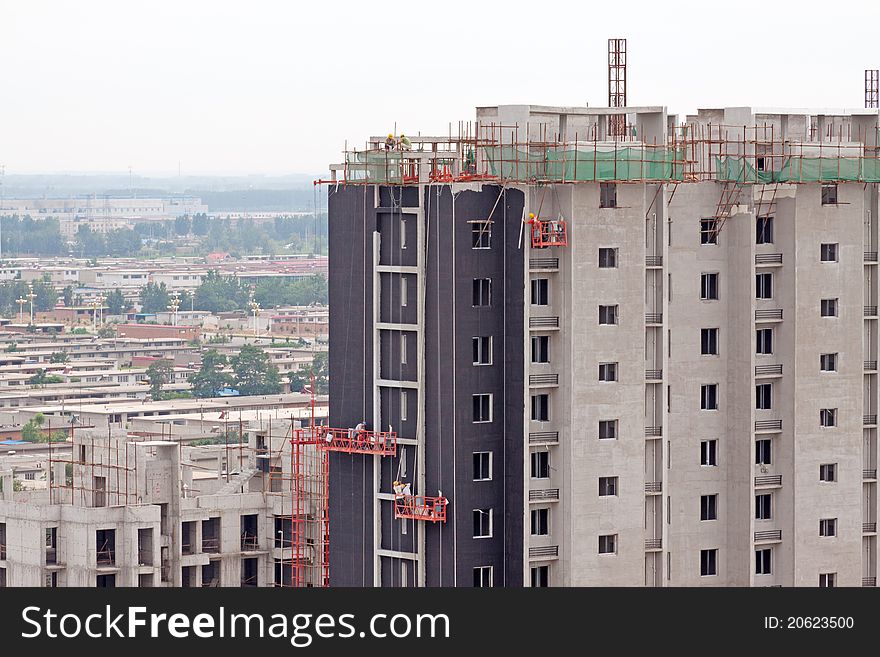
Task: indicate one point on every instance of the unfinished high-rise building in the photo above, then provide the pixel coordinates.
(620, 347)
(119, 510)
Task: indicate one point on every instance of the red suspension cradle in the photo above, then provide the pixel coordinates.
(420, 507)
(354, 441)
(553, 232)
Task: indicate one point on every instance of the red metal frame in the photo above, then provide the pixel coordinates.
(382, 443)
(310, 493)
(420, 507)
(548, 233)
(442, 175)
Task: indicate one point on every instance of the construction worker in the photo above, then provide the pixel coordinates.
(470, 161)
(405, 144)
(536, 228)
(360, 432)
(390, 142)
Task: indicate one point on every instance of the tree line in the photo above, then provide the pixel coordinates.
(250, 372)
(10, 291)
(23, 235)
(218, 293)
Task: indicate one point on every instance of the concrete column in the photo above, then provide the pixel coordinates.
(6, 479)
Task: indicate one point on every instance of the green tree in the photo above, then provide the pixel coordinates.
(182, 225)
(32, 430)
(254, 374)
(220, 293)
(41, 378)
(298, 380)
(122, 242)
(158, 374)
(24, 235)
(89, 243)
(107, 331)
(321, 368)
(116, 304)
(211, 378)
(67, 295)
(299, 292)
(59, 357)
(200, 224)
(154, 298)
(46, 296)
(186, 299)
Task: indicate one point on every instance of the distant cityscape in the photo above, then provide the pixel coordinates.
(125, 317)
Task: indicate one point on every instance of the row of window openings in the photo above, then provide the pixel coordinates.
(610, 315)
(763, 456)
(763, 565)
(764, 346)
(764, 399)
(828, 251)
(709, 346)
(763, 290)
(482, 408)
(482, 349)
(484, 576)
(481, 292)
(764, 507)
(763, 511)
(709, 227)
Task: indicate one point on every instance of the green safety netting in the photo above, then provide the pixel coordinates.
(618, 164)
(584, 164)
(738, 169)
(801, 169)
(375, 166)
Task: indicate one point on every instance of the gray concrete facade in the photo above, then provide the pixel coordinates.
(719, 470)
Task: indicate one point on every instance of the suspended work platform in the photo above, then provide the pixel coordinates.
(420, 507)
(353, 441)
(548, 233)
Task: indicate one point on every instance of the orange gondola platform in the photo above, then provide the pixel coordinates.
(352, 441)
(420, 507)
(548, 233)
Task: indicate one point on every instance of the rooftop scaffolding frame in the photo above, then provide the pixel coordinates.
(692, 152)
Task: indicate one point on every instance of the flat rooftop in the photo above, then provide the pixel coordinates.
(180, 405)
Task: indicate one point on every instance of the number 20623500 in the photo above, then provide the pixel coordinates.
(809, 622)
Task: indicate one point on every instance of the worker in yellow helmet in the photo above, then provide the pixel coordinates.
(389, 142)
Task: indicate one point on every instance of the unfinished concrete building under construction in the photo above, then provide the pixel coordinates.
(120, 510)
(622, 348)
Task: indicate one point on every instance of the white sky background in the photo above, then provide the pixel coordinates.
(266, 86)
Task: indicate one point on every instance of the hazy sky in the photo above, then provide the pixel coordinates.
(267, 86)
